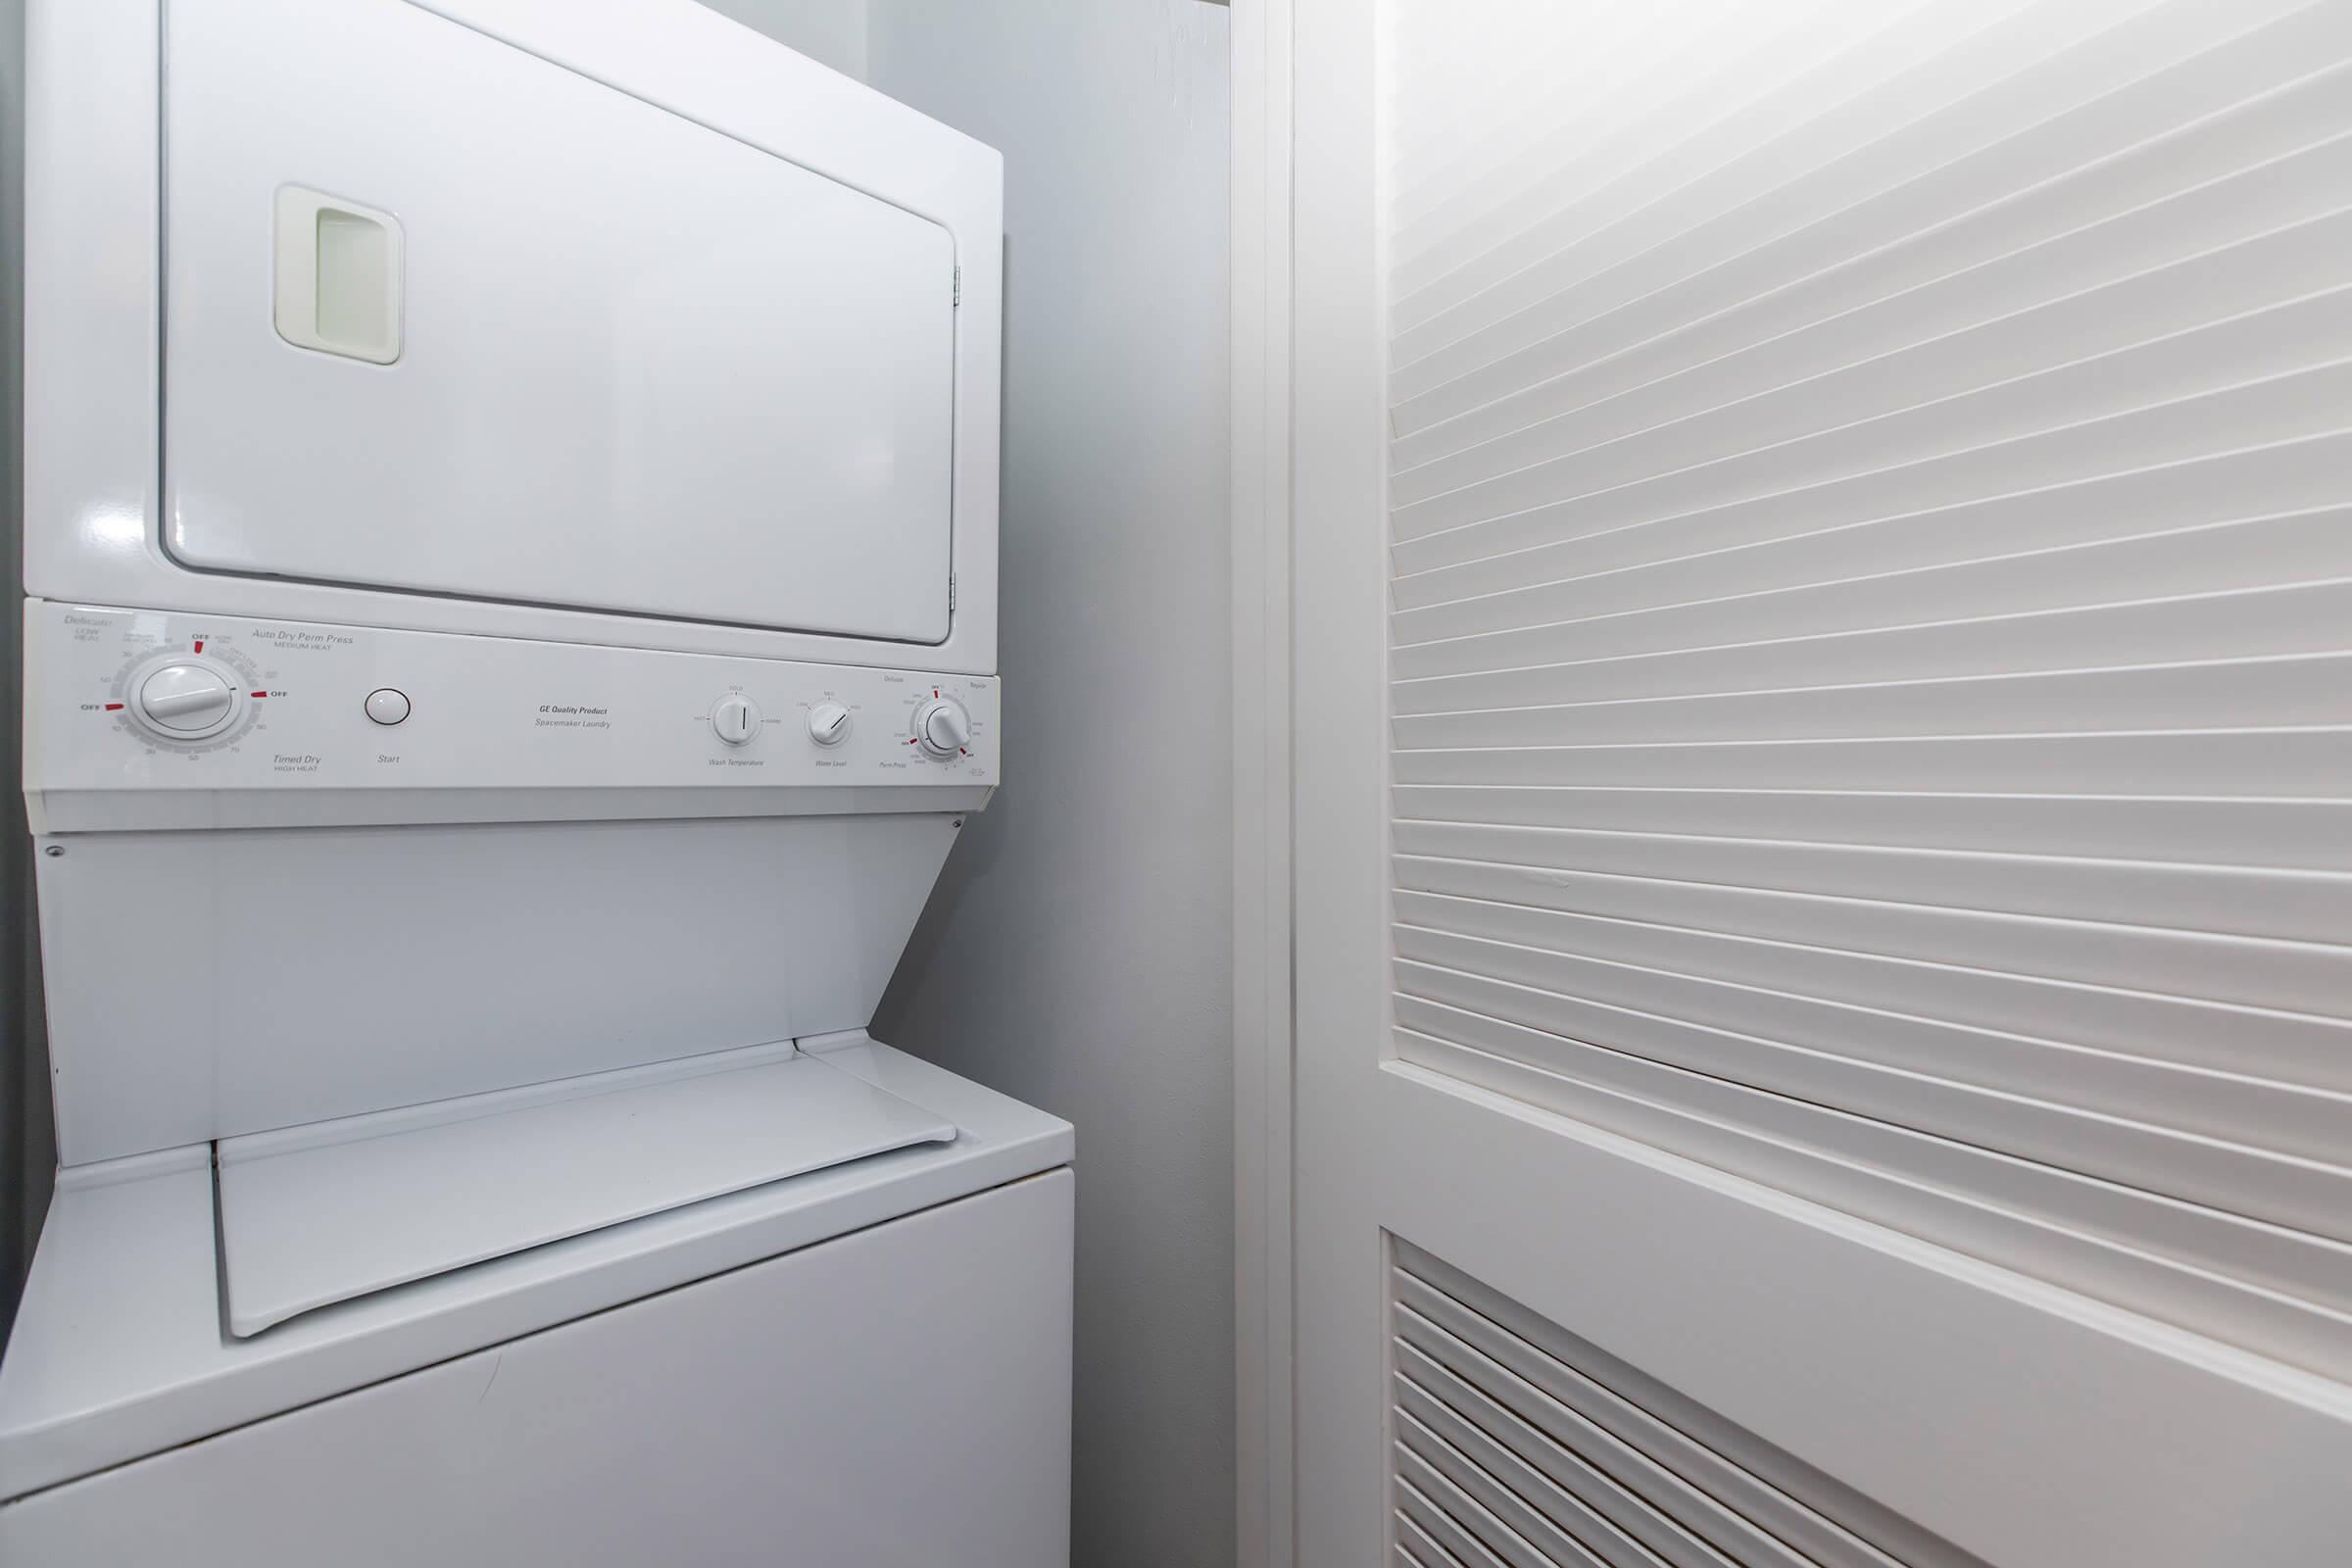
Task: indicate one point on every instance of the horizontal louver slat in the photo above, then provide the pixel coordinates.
(2256, 764)
(1434, 1394)
(2292, 619)
(1916, 348)
(1681, 1482)
(1557, 1520)
(1871, 637)
(2114, 212)
(2174, 1260)
(2267, 1055)
(1955, 98)
(2250, 692)
(1797, 487)
(1796, 71)
(1458, 1492)
(2200, 965)
(2237, 834)
(2254, 1182)
(1516, 1433)
(2238, 494)
(2236, 900)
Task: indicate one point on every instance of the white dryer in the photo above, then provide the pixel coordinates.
(510, 524)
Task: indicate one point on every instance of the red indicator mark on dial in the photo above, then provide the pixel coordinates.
(261, 694)
(113, 708)
(200, 645)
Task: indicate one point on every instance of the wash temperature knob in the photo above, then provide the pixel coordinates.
(942, 727)
(193, 698)
(736, 720)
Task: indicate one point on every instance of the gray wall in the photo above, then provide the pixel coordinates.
(832, 31)
(1077, 953)
(1077, 950)
(27, 1150)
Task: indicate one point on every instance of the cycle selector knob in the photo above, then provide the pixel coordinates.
(185, 700)
(735, 720)
(942, 727)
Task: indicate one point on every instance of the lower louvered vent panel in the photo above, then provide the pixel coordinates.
(1519, 1443)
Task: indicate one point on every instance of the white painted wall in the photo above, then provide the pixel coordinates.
(1077, 953)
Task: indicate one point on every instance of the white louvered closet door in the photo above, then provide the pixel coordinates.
(1822, 618)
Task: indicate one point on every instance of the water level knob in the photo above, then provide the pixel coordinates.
(828, 723)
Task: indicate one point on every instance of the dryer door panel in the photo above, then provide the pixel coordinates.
(446, 317)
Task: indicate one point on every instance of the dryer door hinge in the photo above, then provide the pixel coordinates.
(959, 299)
(951, 593)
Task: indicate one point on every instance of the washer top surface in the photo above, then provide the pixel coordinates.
(120, 1348)
(339, 1210)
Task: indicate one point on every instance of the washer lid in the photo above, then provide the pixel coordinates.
(336, 1210)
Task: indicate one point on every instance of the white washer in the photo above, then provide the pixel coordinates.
(867, 1364)
(513, 536)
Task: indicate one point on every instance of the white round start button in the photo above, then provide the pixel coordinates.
(386, 705)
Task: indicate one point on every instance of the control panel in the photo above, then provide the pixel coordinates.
(127, 699)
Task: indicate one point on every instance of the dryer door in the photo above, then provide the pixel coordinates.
(446, 317)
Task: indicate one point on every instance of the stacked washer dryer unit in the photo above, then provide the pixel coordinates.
(511, 523)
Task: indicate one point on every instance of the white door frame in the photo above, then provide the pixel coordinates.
(1261, 778)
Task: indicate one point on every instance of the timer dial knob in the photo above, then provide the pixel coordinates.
(186, 700)
(735, 718)
(942, 727)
